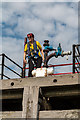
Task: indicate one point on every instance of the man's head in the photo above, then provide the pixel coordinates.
(30, 37)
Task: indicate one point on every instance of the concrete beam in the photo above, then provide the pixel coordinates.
(59, 114)
(42, 81)
(59, 91)
(11, 114)
(30, 102)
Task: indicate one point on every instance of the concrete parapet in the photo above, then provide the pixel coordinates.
(37, 97)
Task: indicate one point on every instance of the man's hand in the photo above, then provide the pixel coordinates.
(43, 60)
(25, 61)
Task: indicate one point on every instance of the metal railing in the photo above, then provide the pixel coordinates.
(76, 58)
(75, 64)
(59, 65)
(3, 66)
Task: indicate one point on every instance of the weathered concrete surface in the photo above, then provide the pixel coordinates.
(43, 81)
(30, 95)
(45, 114)
(0, 115)
(12, 114)
(59, 114)
(30, 102)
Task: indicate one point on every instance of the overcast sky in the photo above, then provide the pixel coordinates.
(55, 21)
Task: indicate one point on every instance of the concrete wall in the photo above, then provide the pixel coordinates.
(30, 96)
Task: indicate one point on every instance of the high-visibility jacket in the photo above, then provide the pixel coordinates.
(29, 48)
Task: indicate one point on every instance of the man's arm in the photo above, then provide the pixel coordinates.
(41, 50)
(24, 58)
(42, 53)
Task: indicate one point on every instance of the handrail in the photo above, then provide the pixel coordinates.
(58, 65)
(63, 73)
(6, 76)
(3, 65)
(76, 57)
(13, 61)
(12, 70)
(62, 65)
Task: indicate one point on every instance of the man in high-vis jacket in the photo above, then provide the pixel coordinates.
(34, 51)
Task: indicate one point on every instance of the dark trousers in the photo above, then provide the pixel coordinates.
(33, 61)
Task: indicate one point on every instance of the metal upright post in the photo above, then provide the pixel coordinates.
(23, 72)
(2, 69)
(73, 58)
